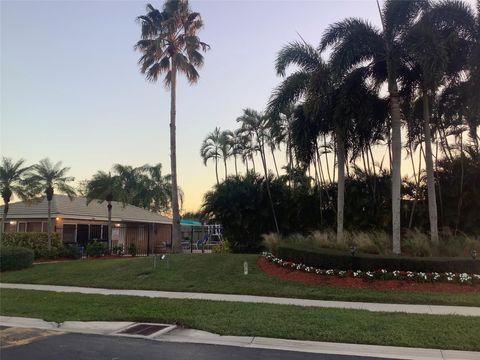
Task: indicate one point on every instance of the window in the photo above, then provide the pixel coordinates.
(95, 232)
(34, 226)
(69, 233)
(22, 227)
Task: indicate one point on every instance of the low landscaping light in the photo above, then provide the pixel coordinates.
(474, 254)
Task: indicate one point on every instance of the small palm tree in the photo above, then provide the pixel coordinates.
(170, 44)
(212, 149)
(236, 142)
(11, 183)
(105, 187)
(45, 177)
(225, 148)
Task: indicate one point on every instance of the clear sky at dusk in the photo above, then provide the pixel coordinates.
(71, 89)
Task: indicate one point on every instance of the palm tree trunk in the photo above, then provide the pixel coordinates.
(396, 167)
(109, 208)
(264, 162)
(216, 169)
(225, 165)
(275, 162)
(235, 159)
(462, 176)
(176, 237)
(253, 163)
(4, 219)
(432, 200)
(340, 184)
(49, 225)
(326, 158)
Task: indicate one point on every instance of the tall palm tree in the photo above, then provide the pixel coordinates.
(11, 183)
(170, 44)
(314, 83)
(46, 177)
(225, 148)
(212, 149)
(356, 42)
(105, 187)
(438, 52)
(255, 124)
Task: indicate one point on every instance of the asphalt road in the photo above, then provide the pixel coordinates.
(26, 344)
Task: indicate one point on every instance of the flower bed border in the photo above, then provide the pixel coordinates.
(380, 274)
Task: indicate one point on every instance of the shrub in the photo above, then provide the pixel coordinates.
(271, 241)
(36, 241)
(416, 243)
(70, 251)
(15, 258)
(221, 248)
(132, 249)
(117, 250)
(96, 248)
(333, 259)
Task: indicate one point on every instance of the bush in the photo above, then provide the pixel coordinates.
(36, 241)
(333, 259)
(96, 248)
(221, 248)
(271, 241)
(132, 249)
(117, 250)
(15, 258)
(416, 243)
(71, 251)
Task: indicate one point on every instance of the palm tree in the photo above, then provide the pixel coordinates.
(45, 177)
(158, 189)
(254, 124)
(236, 143)
(11, 183)
(438, 52)
(105, 187)
(212, 149)
(225, 148)
(170, 44)
(356, 42)
(314, 83)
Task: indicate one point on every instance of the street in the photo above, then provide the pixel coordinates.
(26, 344)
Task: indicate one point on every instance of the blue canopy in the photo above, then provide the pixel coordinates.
(190, 222)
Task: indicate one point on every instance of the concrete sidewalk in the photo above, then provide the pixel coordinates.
(404, 308)
(201, 337)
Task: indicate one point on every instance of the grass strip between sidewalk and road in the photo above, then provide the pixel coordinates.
(212, 273)
(244, 319)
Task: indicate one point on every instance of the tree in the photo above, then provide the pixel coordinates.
(437, 52)
(356, 43)
(254, 125)
(170, 44)
(212, 149)
(236, 143)
(105, 187)
(12, 182)
(46, 177)
(225, 148)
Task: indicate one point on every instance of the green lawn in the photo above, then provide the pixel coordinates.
(243, 319)
(214, 273)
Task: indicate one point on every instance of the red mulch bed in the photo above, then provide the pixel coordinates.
(351, 282)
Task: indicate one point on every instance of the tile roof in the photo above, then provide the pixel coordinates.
(77, 208)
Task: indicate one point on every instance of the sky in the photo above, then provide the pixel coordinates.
(70, 88)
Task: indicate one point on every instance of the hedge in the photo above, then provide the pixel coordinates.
(37, 241)
(333, 259)
(15, 258)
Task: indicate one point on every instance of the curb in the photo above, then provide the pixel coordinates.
(202, 337)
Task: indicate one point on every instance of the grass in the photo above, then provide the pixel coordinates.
(244, 319)
(212, 273)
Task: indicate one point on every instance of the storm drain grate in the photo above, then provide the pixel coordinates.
(144, 329)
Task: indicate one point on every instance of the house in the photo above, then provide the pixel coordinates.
(81, 224)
